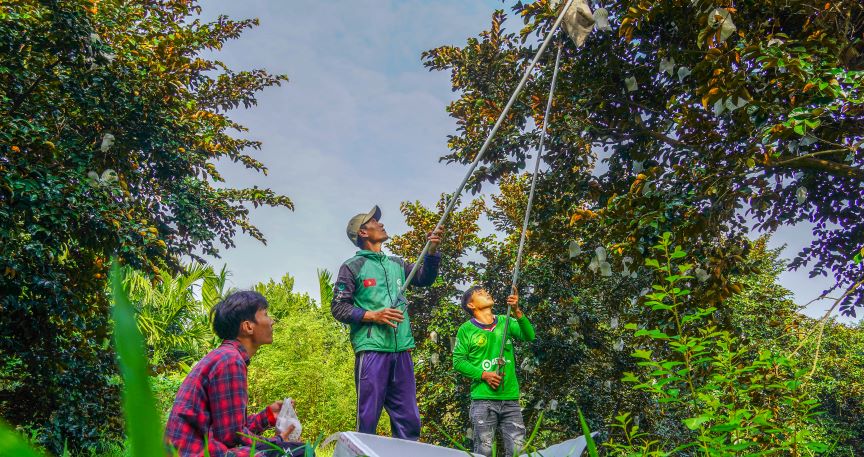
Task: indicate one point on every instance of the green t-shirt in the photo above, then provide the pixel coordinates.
(477, 350)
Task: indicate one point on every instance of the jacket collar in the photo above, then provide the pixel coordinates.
(370, 254)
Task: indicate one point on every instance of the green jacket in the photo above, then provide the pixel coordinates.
(477, 349)
(370, 281)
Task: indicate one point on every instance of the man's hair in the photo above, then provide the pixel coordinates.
(466, 298)
(229, 313)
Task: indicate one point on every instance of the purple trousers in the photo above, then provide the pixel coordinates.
(386, 379)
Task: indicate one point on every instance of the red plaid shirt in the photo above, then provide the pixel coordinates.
(212, 403)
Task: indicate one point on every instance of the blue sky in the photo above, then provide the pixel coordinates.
(360, 122)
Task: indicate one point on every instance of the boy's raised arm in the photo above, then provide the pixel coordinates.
(521, 329)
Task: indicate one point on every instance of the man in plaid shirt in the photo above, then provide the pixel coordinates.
(210, 407)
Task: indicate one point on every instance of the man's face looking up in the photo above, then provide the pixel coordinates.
(373, 231)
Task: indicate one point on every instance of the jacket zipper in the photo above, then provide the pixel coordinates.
(390, 296)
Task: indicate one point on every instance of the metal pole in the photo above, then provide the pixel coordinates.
(455, 196)
(527, 218)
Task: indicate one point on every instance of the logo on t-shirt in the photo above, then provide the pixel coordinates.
(369, 282)
(480, 341)
(489, 364)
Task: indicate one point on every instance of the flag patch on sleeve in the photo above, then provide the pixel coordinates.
(369, 282)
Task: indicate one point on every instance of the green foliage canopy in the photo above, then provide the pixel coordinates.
(720, 130)
(175, 324)
(111, 127)
(310, 360)
(584, 323)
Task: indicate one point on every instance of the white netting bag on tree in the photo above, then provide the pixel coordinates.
(578, 22)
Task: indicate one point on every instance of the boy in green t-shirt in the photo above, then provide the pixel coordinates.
(494, 398)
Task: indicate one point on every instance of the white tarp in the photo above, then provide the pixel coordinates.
(569, 448)
(354, 444)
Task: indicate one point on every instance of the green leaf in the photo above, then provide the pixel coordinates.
(657, 306)
(589, 440)
(728, 427)
(642, 354)
(678, 254)
(143, 423)
(817, 447)
(694, 422)
(653, 333)
(12, 444)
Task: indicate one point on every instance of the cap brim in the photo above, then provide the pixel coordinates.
(375, 212)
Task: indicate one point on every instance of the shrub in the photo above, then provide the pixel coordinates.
(310, 360)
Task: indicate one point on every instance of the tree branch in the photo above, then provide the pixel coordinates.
(18, 100)
(832, 168)
(812, 154)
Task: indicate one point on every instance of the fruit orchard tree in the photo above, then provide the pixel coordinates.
(112, 123)
(712, 118)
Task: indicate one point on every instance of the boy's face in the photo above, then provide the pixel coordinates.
(262, 328)
(480, 300)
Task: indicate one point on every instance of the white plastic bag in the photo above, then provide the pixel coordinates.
(578, 22)
(287, 417)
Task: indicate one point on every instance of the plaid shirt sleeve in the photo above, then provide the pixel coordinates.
(228, 399)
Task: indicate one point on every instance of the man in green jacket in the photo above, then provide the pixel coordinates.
(365, 297)
(494, 397)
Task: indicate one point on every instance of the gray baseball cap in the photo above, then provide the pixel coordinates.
(360, 219)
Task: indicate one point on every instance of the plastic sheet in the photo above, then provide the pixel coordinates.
(601, 20)
(354, 444)
(667, 66)
(721, 17)
(569, 448)
(107, 142)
